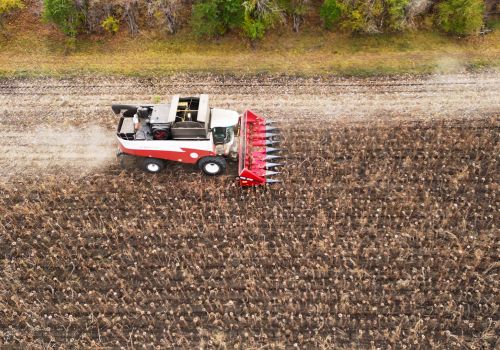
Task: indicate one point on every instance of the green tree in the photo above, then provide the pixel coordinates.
(215, 17)
(365, 16)
(64, 14)
(395, 19)
(462, 17)
(330, 13)
(259, 16)
(355, 17)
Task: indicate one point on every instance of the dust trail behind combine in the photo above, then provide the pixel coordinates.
(73, 150)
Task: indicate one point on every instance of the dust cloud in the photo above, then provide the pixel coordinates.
(51, 150)
(448, 65)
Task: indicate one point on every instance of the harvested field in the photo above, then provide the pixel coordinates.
(384, 233)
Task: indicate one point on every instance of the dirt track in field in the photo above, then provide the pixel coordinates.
(67, 124)
(383, 235)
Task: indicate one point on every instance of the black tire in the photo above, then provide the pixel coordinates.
(212, 166)
(153, 165)
(126, 161)
(122, 160)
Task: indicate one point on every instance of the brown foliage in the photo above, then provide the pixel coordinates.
(151, 14)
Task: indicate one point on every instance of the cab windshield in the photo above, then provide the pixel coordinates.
(223, 135)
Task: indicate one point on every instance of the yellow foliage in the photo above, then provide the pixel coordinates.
(9, 5)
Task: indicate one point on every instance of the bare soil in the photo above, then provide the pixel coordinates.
(383, 234)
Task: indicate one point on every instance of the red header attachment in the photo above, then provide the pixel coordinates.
(255, 158)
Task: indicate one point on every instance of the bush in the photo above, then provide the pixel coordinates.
(365, 16)
(462, 17)
(296, 9)
(205, 21)
(64, 14)
(395, 20)
(8, 5)
(330, 13)
(215, 17)
(111, 25)
(254, 29)
(260, 15)
(167, 12)
(354, 20)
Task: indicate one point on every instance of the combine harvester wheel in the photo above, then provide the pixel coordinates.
(153, 165)
(212, 166)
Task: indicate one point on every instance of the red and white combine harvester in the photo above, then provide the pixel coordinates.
(187, 130)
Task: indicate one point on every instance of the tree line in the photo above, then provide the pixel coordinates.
(252, 19)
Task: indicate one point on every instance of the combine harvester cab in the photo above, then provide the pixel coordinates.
(257, 157)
